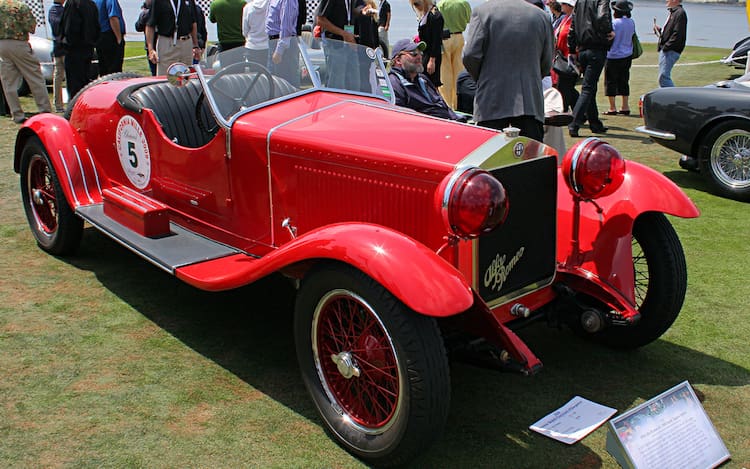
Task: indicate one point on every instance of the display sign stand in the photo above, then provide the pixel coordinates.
(672, 430)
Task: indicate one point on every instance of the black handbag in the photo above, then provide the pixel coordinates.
(561, 65)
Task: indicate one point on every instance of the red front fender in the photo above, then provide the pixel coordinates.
(594, 239)
(416, 275)
(79, 177)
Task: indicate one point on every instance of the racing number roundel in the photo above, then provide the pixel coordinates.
(132, 149)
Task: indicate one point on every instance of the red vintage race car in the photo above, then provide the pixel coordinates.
(409, 237)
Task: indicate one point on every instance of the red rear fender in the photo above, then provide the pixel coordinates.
(80, 179)
(414, 274)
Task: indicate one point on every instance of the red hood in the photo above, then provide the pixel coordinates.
(368, 127)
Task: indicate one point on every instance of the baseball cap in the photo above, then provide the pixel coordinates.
(568, 2)
(406, 45)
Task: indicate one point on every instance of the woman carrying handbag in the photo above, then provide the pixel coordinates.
(620, 58)
(564, 74)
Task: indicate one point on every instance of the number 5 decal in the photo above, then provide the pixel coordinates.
(132, 148)
(133, 155)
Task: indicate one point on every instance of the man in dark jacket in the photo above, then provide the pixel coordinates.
(80, 32)
(672, 39)
(589, 39)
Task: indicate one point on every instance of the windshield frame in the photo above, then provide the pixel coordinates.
(376, 55)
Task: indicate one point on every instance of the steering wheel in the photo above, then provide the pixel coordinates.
(242, 67)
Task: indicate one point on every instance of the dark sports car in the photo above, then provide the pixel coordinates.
(710, 126)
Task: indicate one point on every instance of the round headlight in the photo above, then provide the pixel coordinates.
(593, 168)
(474, 203)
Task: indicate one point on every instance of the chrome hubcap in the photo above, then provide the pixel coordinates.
(37, 197)
(345, 364)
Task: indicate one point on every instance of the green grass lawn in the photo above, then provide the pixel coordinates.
(109, 362)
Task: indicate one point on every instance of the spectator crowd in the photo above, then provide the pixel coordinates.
(494, 64)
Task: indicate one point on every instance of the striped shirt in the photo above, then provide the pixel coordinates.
(282, 22)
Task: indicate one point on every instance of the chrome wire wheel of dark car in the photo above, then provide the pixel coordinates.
(660, 283)
(377, 371)
(56, 228)
(727, 158)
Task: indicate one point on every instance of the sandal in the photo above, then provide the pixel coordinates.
(624, 112)
(610, 113)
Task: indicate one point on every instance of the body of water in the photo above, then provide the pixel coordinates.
(709, 24)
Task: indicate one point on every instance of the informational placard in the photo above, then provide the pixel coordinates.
(573, 421)
(672, 430)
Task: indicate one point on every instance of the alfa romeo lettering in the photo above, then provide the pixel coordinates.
(498, 271)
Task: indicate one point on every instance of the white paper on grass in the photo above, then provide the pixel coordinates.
(574, 420)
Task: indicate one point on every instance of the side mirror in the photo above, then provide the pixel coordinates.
(178, 74)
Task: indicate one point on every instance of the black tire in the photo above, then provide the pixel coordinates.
(660, 283)
(55, 226)
(726, 159)
(111, 77)
(397, 396)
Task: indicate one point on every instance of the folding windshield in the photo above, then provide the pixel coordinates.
(241, 79)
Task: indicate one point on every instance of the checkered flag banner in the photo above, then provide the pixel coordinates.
(37, 8)
(203, 5)
(312, 8)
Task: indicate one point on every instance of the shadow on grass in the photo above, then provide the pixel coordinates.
(691, 180)
(249, 332)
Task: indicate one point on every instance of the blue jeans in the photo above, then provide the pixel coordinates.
(667, 59)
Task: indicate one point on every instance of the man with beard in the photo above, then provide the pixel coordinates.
(411, 87)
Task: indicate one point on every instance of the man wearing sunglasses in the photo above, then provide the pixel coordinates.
(411, 87)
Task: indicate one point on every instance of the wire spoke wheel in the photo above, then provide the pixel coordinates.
(730, 158)
(725, 158)
(376, 370)
(660, 282)
(356, 360)
(55, 226)
(641, 277)
(42, 198)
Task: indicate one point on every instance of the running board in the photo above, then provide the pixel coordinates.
(177, 249)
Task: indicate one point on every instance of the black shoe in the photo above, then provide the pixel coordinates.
(599, 129)
(573, 131)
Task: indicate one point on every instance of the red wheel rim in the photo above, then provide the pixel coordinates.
(42, 195)
(356, 361)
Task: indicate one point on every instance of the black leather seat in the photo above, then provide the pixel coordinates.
(174, 108)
